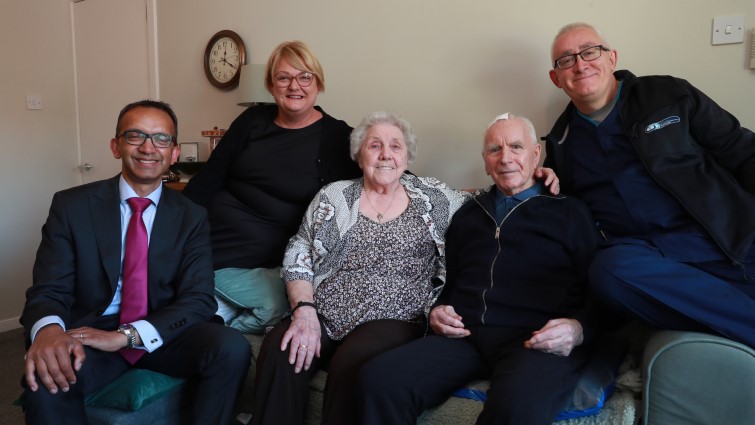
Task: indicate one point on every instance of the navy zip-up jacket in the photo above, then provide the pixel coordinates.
(690, 146)
(530, 268)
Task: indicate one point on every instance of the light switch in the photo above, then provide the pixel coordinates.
(728, 30)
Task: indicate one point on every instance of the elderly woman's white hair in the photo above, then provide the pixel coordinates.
(382, 117)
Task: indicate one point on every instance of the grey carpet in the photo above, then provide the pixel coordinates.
(12, 361)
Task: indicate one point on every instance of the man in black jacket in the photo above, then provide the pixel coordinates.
(670, 177)
(515, 307)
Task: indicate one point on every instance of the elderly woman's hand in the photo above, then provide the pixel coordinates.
(304, 337)
(549, 178)
(444, 321)
(558, 336)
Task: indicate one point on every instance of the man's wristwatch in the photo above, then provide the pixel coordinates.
(130, 332)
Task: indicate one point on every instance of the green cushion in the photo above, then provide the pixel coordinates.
(134, 389)
(260, 294)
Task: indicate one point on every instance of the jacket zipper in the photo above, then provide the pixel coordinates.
(497, 236)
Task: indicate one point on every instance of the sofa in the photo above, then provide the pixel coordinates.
(692, 378)
(666, 378)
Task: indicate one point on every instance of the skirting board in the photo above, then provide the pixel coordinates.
(9, 324)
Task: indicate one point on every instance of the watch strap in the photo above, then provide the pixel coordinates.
(304, 304)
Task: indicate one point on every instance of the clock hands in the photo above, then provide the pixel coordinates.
(228, 63)
(225, 58)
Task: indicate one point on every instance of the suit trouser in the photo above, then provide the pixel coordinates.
(281, 395)
(215, 356)
(527, 387)
(715, 296)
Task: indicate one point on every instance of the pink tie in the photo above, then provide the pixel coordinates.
(134, 288)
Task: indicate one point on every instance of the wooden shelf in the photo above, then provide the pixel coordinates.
(179, 186)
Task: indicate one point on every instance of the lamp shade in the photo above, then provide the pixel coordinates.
(252, 90)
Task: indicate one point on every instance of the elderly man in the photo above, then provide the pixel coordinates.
(514, 309)
(123, 279)
(670, 177)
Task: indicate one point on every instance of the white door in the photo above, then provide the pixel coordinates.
(112, 61)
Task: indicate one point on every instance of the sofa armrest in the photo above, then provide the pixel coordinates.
(695, 378)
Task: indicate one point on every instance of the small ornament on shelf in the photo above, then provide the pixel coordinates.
(215, 135)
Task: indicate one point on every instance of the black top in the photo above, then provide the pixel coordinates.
(260, 179)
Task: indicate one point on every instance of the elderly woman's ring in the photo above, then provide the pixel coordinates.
(81, 335)
(303, 346)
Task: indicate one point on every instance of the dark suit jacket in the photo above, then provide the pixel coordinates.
(79, 261)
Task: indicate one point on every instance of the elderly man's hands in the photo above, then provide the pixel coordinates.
(49, 358)
(444, 321)
(558, 336)
(304, 336)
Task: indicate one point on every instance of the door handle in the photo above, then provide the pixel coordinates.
(86, 166)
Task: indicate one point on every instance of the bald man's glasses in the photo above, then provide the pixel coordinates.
(587, 55)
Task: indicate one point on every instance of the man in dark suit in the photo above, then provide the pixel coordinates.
(73, 313)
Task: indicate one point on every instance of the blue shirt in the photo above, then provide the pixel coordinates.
(504, 203)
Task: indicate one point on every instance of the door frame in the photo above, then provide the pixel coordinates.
(153, 71)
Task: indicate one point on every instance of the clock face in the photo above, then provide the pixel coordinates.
(223, 57)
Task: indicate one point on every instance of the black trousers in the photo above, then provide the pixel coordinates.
(281, 396)
(216, 357)
(527, 387)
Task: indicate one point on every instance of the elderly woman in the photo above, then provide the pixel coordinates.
(259, 180)
(361, 275)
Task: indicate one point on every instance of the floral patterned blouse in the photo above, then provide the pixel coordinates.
(386, 274)
(324, 251)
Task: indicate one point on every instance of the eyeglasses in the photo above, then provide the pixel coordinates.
(137, 138)
(587, 55)
(284, 80)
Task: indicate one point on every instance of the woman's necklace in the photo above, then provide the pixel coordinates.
(380, 215)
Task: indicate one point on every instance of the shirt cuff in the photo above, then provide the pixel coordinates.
(151, 339)
(47, 320)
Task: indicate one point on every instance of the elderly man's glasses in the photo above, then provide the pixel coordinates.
(587, 55)
(284, 80)
(137, 138)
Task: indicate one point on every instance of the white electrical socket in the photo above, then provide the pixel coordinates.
(33, 101)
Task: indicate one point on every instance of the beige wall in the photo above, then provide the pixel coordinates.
(447, 66)
(38, 155)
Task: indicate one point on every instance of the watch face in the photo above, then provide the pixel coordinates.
(224, 59)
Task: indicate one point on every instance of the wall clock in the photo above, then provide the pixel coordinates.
(223, 57)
